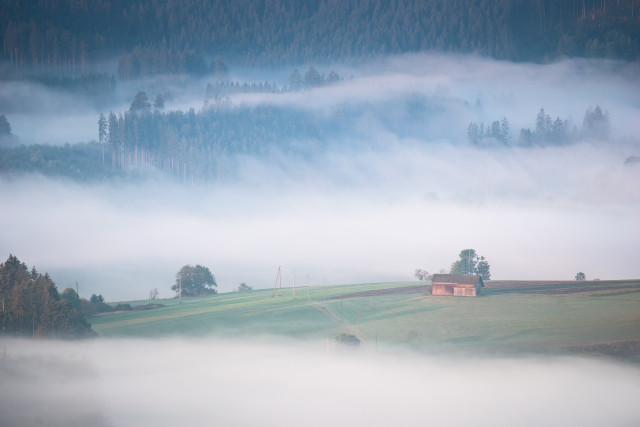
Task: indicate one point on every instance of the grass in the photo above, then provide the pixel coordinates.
(528, 318)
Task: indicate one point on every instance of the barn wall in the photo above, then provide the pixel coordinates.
(452, 289)
(442, 289)
(460, 291)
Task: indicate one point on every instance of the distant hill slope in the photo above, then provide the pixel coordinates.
(597, 317)
(185, 35)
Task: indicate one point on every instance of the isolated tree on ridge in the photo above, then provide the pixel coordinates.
(195, 281)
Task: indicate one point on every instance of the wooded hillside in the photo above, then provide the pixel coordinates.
(152, 36)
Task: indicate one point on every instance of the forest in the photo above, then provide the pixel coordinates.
(91, 50)
(199, 146)
(32, 305)
(186, 36)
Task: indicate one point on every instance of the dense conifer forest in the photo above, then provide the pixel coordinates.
(63, 46)
(182, 36)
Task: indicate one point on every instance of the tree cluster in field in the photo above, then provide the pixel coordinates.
(194, 281)
(33, 307)
(595, 126)
(243, 287)
(97, 305)
(422, 275)
(181, 36)
(470, 263)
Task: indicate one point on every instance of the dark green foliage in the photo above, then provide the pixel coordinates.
(98, 89)
(470, 263)
(32, 306)
(140, 103)
(81, 162)
(96, 299)
(123, 307)
(176, 36)
(158, 102)
(98, 304)
(144, 307)
(243, 287)
(580, 276)
(483, 268)
(194, 281)
(191, 145)
(467, 262)
(5, 127)
(72, 297)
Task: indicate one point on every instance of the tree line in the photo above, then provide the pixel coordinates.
(184, 36)
(547, 131)
(192, 146)
(468, 262)
(33, 307)
(199, 147)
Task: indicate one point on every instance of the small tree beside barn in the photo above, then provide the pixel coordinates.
(461, 285)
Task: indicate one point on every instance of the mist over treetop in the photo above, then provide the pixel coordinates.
(184, 36)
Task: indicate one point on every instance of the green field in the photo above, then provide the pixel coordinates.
(600, 318)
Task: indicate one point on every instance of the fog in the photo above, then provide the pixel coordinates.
(274, 383)
(464, 88)
(343, 218)
(377, 203)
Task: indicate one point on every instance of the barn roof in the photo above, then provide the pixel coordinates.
(461, 279)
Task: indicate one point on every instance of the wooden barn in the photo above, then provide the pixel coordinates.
(460, 285)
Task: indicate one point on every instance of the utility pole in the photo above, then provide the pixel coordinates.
(278, 279)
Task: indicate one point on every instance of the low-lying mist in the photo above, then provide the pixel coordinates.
(396, 187)
(343, 217)
(273, 383)
(461, 88)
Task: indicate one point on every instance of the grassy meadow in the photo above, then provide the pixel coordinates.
(601, 318)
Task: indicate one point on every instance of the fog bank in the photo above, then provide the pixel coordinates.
(394, 188)
(343, 217)
(220, 382)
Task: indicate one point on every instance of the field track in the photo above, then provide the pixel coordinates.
(417, 289)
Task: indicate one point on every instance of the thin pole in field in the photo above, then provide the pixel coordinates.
(278, 278)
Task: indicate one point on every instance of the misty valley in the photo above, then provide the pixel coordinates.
(255, 212)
